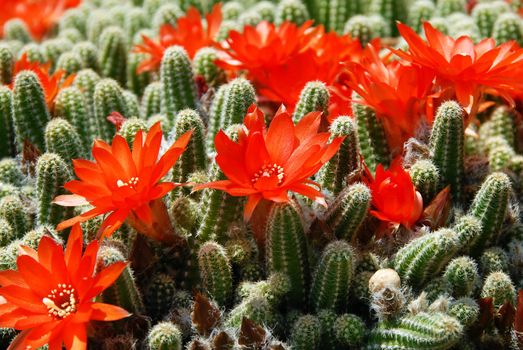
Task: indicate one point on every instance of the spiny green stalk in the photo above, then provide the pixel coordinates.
(425, 177)
(86, 81)
(391, 11)
(130, 127)
(7, 234)
(178, 86)
(10, 172)
(159, 295)
(151, 100)
(424, 257)
(466, 310)
(16, 29)
(267, 11)
(371, 136)
(53, 48)
(71, 34)
(289, 10)
(349, 330)
(33, 52)
(71, 105)
(486, 14)
(461, 274)
(216, 272)
(460, 24)
(51, 174)
(73, 18)
(96, 23)
(314, 97)
(88, 53)
(205, 67)
(503, 125)
(492, 260)
(490, 207)
(435, 331)
(332, 279)
(7, 135)
(238, 98)
(360, 27)
(348, 211)
(333, 175)
(194, 157)
(135, 20)
(500, 288)
(30, 110)
(132, 105)
(306, 333)
(137, 82)
(69, 62)
(165, 336)
(447, 7)
(333, 14)
(113, 54)
(419, 12)
(286, 250)
(447, 146)
(6, 64)
(508, 27)
(108, 98)
(63, 139)
(166, 14)
(14, 212)
(215, 112)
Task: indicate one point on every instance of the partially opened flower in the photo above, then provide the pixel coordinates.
(267, 163)
(464, 69)
(126, 184)
(395, 90)
(190, 33)
(50, 299)
(394, 197)
(51, 83)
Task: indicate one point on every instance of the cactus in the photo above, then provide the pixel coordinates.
(113, 54)
(132, 105)
(33, 52)
(13, 211)
(86, 81)
(178, 86)
(333, 175)
(71, 105)
(63, 139)
(435, 331)
(231, 10)
(239, 96)
(30, 110)
(215, 117)
(256, 308)
(490, 207)
(108, 98)
(135, 20)
(508, 27)
(286, 249)
(502, 124)
(306, 334)
(424, 257)
(205, 67)
(137, 82)
(314, 97)
(486, 14)
(194, 158)
(360, 27)
(425, 177)
(51, 174)
(447, 146)
(249, 18)
(461, 274)
(500, 288)
(16, 29)
(371, 136)
(290, 10)
(185, 213)
(492, 260)
(151, 100)
(71, 34)
(419, 12)
(53, 48)
(165, 336)
(88, 53)
(96, 24)
(10, 172)
(130, 127)
(7, 235)
(447, 7)
(166, 14)
(349, 330)
(267, 11)
(6, 65)
(159, 295)
(124, 291)
(333, 14)
(460, 24)
(330, 286)
(465, 310)
(216, 272)
(69, 62)
(6, 122)
(73, 19)
(391, 11)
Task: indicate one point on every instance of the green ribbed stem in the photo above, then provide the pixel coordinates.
(216, 272)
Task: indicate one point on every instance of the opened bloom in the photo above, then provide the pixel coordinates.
(394, 197)
(126, 184)
(190, 33)
(51, 83)
(464, 70)
(395, 90)
(50, 298)
(267, 163)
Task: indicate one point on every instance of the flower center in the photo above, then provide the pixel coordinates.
(131, 183)
(269, 171)
(61, 302)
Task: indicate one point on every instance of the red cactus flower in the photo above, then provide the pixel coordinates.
(189, 32)
(268, 163)
(39, 15)
(51, 83)
(126, 184)
(396, 91)
(394, 197)
(50, 299)
(466, 70)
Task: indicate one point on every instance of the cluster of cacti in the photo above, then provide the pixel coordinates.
(416, 245)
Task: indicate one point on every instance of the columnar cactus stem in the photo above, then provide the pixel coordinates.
(349, 330)
(333, 14)
(214, 122)
(88, 53)
(361, 27)
(30, 110)
(130, 127)
(239, 96)
(6, 64)
(205, 67)
(486, 14)
(425, 177)
(152, 100)
(137, 82)
(6, 122)
(108, 98)
(165, 336)
(391, 11)
(16, 29)
(447, 7)
(461, 274)
(306, 333)
(216, 272)
(135, 20)
(419, 12)
(53, 48)
(314, 97)
(286, 250)
(63, 139)
(12, 210)
(447, 146)
(166, 14)
(71, 105)
(159, 295)
(86, 81)
(10, 172)
(500, 288)
(332, 279)
(69, 62)
(132, 105)
(7, 234)
(508, 27)
(290, 10)
(113, 54)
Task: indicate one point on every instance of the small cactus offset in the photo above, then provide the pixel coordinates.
(51, 174)
(216, 272)
(239, 97)
(314, 97)
(137, 82)
(165, 336)
(502, 122)
(69, 62)
(447, 146)
(124, 292)
(7, 235)
(205, 67)
(425, 177)
(461, 274)
(349, 330)
(16, 29)
(130, 127)
(362, 28)
(63, 139)
(10, 172)
(305, 334)
(178, 86)
(12, 211)
(500, 288)
(332, 279)
(349, 210)
(286, 249)
(159, 295)
(151, 100)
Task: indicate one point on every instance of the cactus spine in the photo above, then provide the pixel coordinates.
(333, 276)
(286, 249)
(216, 272)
